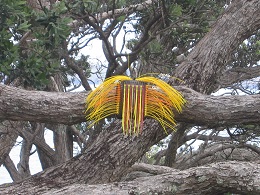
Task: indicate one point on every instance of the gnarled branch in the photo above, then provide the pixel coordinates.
(234, 177)
(68, 108)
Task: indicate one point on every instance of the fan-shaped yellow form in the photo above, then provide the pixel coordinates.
(133, 100)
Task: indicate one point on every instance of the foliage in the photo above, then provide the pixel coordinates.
(187, 21)
(13, 21)
(247, 55)
(32, 42)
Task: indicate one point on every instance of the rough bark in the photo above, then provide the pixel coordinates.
(45, 157)
(106, 160)
(174, 144)
(39, 142)
(17, 102)
(205, 64)
(63, 143)
(23, 165)
(8, 136)
(68, 108)
(217, 178)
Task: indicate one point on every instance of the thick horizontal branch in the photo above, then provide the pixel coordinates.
(68, 108)
(223, 177)
(40, 106)
(216, 111)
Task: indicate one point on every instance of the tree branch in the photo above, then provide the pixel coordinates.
(124, 11)
(39, 142)
(217, 152)
(79, 71)
(223, 177)
(14, 174)
(236, 75)
(68, 108)
(8, 136)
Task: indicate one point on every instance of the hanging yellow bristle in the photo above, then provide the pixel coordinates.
(133, 100)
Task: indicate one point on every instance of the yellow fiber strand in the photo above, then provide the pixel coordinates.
(139, 107)
(159, 107)
(123, 112)
(175, 97)
(134, 100)
(135, 93)
(104, 100)
(127, 109)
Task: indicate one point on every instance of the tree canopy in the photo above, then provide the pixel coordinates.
(207, 50)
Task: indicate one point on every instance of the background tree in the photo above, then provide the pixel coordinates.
(209, 45)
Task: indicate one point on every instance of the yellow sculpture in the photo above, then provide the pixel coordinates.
(133, 101)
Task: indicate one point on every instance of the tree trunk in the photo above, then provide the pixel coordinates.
(63, 143)
(205, 64)
(23, 165)
(106, 160)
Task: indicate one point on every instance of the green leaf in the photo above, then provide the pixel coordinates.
(121, 18)
(24, 26)
(176, 10)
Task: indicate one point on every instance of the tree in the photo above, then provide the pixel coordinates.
(206, 43)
